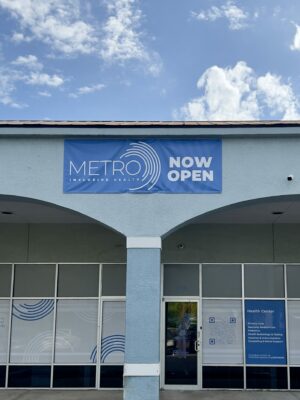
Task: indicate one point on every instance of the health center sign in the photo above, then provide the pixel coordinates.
(265, 332)
(143, 166)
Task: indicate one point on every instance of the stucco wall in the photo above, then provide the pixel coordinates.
(252, 168)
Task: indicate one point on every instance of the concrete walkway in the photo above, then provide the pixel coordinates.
(165, 395)
(228, 395)
(61, 395)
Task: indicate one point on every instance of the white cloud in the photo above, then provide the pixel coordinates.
(236, 16)
(55, 22)
(121, 32)
(296, 42)
(69, 27)
(122, 39)
(45, 94)
(24, 70)
(29, 61)
(279, 97)
(37, 78)
(239, 94)
(90, 89)
(19, 37)
(211, 14)
(8, 79)
(87, 90)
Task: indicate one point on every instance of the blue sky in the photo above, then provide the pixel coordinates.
(150, 60)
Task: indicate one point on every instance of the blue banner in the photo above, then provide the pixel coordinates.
(265, 332)
(143, 166)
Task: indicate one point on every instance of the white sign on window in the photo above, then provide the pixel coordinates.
(4, 321)
(113, 332)
(222, 332)
(76, 331)
(294, 329)
(32, 331)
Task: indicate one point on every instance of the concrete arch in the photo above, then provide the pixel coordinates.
(8, 202)
(38, 231)
(280, 200)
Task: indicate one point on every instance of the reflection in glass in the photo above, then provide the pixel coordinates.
(180, 350)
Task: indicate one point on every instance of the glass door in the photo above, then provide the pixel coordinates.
(182, 344)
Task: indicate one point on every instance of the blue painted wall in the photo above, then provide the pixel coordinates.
(253, 167)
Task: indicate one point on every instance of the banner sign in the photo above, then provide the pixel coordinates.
(143, 166)
(265, 332)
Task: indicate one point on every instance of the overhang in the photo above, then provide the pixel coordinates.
(11, 128)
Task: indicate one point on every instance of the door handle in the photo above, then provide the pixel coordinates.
(197, 345)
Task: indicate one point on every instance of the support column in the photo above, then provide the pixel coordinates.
(142, 346)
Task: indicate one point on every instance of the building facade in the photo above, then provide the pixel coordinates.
(150, 256)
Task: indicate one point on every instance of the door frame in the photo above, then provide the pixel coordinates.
(182, 299)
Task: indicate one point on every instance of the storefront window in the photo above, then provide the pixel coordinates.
(76, 331)
(244, 327)
(76, 280)
(264, 281)
(113, 280)
(221, 280)
(42, 275)
(32, 331)
(181, 280)
(294, 331)
(51, 319)
(222, 332)
(293, 281)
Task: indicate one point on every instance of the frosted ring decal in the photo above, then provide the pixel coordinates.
(93, 356)
(151, 161)
(89, 316)
(41, 343)
(33, 312)
(111, 344)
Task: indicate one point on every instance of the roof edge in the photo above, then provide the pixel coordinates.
(145, 124)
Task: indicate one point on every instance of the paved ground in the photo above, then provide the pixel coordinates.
(229, 395)
(165, 395)
(60, 395)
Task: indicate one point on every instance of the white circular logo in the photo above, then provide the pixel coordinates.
(149, 157)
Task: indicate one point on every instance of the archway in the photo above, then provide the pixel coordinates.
(265, 230)
(62, 298)
(240, 265)
(36, 231)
